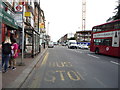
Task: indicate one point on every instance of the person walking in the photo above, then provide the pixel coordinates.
(14, 54)
(6, 51)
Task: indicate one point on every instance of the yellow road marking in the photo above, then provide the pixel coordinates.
(59, 64)
(61, 75)
(67, 64)
(81, 76)
(71, 77)
(45, 59)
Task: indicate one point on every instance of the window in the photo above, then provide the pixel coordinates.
(105, 27)
(105, 42)
(117, 25)
(94, 30)
(97, 29)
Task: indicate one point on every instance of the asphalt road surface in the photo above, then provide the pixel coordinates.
(74, 68)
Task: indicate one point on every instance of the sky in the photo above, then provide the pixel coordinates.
(65, 16)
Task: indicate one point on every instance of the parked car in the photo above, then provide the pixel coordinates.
(51, 44)
(84, 46)
(63, 44)
(80, 46)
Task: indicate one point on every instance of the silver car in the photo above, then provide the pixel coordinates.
(51, 44)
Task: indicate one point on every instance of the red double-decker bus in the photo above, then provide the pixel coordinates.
(106, 39)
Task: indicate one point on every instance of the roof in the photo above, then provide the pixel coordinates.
(83, 31)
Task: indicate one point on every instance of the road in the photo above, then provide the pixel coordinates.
(74, 68)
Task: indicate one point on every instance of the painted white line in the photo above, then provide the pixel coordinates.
(92, 56)
(114, 62)
(100, 82)
(75, 51)
(80, 52)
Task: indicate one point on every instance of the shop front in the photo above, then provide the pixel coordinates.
(8, 24)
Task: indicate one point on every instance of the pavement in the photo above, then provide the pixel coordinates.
(15, 78)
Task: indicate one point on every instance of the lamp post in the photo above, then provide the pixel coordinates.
(48, 28)
(47, 32)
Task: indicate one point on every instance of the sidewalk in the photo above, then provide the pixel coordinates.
(14, 78)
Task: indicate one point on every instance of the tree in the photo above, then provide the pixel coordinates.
(117, 15)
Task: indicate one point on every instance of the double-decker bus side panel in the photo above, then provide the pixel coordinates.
(91, 44)
(105, 38)
(119, 44)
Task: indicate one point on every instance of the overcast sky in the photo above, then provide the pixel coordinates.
(65, 16)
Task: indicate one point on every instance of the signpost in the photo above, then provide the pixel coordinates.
(22, 64)
(18, 8)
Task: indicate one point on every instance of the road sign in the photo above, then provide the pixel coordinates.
(27, 14)
(41, 25)
(18, 8)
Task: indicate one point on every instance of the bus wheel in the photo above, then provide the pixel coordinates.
(96, 51)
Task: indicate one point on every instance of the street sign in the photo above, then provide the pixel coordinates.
(18, 8)
(27, 14)
(41, 25)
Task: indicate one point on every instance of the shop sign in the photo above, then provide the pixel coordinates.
(18, 17)
(7, 19)
(9, 1)
(41, 25)
(1, 15)
(1, 6)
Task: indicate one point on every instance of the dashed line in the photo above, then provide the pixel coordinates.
(114, 62)
(93, 56)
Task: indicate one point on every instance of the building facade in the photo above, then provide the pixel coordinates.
(83, 36)
(63, 40)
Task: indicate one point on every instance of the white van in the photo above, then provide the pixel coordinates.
(72, 44)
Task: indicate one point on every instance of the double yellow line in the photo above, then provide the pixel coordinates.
(45, 59)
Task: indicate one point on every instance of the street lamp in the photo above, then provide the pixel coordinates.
(48, 28)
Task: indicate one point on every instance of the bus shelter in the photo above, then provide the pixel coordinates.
(32, 42)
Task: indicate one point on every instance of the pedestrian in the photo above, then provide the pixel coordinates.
(6, 51)
(14, 54)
